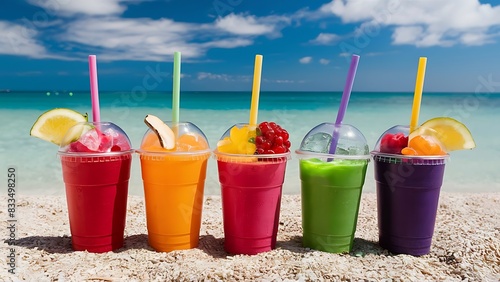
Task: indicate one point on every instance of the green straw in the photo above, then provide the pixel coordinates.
(176, 87)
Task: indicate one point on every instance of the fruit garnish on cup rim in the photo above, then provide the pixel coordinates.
(437, 136)
(271, 139)
(164, 133)
(393, 143)
(267, 138)
(53, 125)
(452, 134)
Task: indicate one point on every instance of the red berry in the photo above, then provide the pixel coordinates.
(269, 135)
(278, 141)
(264, 127)
(287, 144)
(266, 145)
(259, 151)
(284, 134)
(116, 148)
(279, 149)
(259, 140)
(393, 143)
(271, 139)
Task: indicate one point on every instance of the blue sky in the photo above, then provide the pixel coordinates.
(306, 44)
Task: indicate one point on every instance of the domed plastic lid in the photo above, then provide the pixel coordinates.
(189, 139)
(95, 138)
(350, 144)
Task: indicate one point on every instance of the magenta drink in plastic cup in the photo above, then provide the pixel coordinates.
(251, 189)
(96, 172)
(408, 190)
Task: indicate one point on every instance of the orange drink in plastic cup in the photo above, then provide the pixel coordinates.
(174, 182)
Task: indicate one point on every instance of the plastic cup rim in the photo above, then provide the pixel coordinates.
(286, 155)
(94, 154)
(172, 153)
(418, 157)
(333, 156)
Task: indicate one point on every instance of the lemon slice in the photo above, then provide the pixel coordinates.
(451, 133)
(52, 125)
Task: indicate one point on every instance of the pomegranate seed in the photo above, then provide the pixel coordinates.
(284, 134)
(259, 151)
(278, 141)
(266, 145)
(287, 143)
(279, 149)
(270, 135)
(259, 140)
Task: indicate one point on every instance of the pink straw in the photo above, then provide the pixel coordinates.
(94, 91)
(343, 103)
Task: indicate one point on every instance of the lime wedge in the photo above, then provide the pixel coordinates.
(52, 125)
(451, 133)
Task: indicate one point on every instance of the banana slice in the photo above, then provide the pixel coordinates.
(164, 133)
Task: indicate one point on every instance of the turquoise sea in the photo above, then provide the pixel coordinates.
(39, 170)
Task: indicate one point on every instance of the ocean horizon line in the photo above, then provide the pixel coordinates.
(10, 91)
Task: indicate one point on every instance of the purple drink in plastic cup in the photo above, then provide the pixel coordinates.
(408, 190)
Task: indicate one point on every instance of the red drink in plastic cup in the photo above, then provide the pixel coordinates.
(251, 190)
(96, 192)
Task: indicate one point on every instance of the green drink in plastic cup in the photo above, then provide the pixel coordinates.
(331, 186)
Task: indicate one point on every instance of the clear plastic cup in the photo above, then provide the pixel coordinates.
(408, 190)
(251, 188)
(174, 182)
(96, 160)
(331, 186)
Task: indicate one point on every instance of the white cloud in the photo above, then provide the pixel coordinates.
(243, 25)
(87, 7)
(225, 77)
(324, 61)
(97, 27)
(147, 39)
(325, 39)
(252, 26)
(21, 41)
(209, 75)
(305, 60)
(423, 23)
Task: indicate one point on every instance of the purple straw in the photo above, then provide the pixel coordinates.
(343, 103)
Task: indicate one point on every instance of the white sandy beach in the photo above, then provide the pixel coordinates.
(466, 247)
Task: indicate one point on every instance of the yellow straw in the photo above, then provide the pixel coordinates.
(254, 107)
(417, 96)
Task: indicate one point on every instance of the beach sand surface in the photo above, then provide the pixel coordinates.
(466, 246)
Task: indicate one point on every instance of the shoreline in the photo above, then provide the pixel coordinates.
(466, 245)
